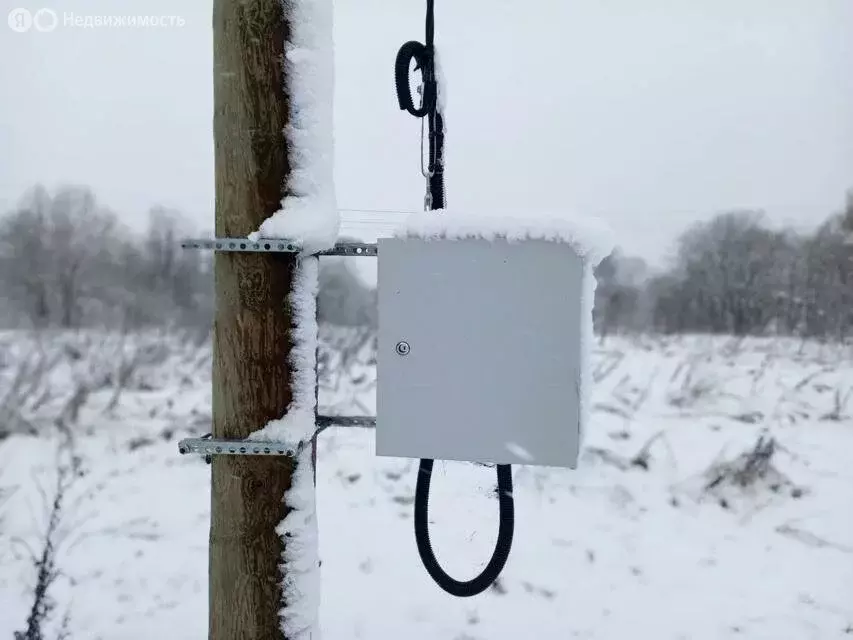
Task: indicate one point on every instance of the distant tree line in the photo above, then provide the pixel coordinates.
(735, 275)
(66, 261)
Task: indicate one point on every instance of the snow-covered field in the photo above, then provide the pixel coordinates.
(650, 538)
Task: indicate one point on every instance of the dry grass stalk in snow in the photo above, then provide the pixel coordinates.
(696, 385)
(839, 409)
(749, 472)
(640, 460)
(45, 563)
(24, 393)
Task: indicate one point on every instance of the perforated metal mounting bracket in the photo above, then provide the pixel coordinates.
(278, 245)
(207, 446)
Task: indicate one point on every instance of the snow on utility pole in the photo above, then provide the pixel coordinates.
(252, 339)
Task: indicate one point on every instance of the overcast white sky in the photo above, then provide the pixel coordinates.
(649, 113)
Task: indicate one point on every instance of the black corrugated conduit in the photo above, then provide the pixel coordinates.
(502, 547)
(423, 56)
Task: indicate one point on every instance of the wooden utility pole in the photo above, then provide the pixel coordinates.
(251, 372)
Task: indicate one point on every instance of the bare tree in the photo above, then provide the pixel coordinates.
(79, 233)
(24, 259)
(66, 261)
(727, 277)
(52, 249)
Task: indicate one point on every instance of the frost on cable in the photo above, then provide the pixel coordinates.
(300, 561)
(309, 215)
(441, 83)
(589, 238)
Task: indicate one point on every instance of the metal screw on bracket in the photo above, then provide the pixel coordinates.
(403, 348)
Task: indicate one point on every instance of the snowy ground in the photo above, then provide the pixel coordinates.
(615, 550)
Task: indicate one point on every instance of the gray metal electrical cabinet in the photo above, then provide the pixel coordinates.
(479, 350)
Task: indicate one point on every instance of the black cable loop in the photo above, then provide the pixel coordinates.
(424, 58)
(413, 50)
(503, 545)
